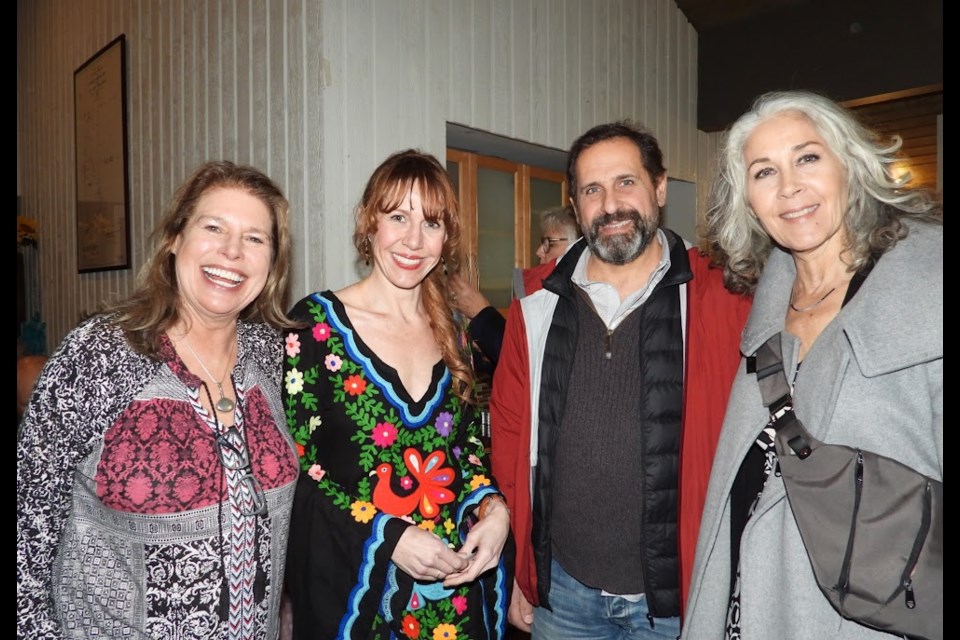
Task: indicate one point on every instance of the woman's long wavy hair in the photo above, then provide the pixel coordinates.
(155, 303)
(877, 202)
(386, 190)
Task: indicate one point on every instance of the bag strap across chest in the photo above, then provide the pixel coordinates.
(767, 363)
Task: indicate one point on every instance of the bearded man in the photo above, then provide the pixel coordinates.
(630, 347)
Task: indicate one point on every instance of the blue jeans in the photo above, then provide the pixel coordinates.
(582, 613)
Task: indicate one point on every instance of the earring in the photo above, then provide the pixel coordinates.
(443, 263)
(366, 251)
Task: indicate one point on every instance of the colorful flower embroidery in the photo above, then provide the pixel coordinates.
(362, 511)
(444, 423)
(411, 627)
(321, 332)
(384, 435)
(343, 387)
(293, 345)
(332, 362)
(294, 381)
(355, 385)
(479, 481)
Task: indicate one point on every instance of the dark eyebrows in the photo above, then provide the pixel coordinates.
(794, 148)
(618, 178)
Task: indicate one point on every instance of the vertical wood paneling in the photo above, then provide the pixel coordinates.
(521, 35)
(482, 86)
(439, 65)
(501, 94)
(708, 147)
(461, 80)
(308, 211)
(606, 64)
(221, 79)
(539, 72)
(625, 34)
(587, 63)
(336, 96)
(317, 93)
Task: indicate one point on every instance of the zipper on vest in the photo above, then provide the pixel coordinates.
(608, 337)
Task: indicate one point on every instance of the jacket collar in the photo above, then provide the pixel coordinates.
(559, 281)
(884, 322)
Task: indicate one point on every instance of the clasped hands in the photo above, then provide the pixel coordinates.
(424, 556)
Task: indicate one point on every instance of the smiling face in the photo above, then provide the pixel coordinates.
(406, 245)
(617, 202)
(796, 185)
(223, 256)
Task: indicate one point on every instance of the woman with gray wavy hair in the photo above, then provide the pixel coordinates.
(845, 261)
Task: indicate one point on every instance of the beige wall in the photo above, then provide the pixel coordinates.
(317, 93)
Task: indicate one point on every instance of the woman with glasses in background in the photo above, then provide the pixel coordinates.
(154, 477)
(558, 230)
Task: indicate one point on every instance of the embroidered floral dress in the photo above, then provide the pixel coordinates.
(375, 461)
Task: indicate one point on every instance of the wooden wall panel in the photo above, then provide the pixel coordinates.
(220, 79)
(914, 119)
(317, 94)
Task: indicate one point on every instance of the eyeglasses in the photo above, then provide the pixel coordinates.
(546, 242)
(233, 454)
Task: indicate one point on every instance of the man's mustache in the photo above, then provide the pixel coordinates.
(616, 216)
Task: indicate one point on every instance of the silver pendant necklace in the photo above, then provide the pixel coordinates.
(811, 306)
(224, 404)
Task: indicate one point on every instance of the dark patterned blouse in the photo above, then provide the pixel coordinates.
(375, 461)
(132, 520)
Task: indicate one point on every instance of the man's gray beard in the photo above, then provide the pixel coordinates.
(621, 248)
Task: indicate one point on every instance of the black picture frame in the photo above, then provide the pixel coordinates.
(102, 186)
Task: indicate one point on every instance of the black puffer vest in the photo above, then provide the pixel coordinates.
(661, 360)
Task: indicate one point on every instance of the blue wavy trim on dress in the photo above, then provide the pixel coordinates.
(410, 420)
(373, 543)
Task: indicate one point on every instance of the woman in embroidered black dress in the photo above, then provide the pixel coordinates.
(154, 477)
(397, 527)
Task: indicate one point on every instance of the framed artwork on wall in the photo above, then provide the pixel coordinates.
(100, 125)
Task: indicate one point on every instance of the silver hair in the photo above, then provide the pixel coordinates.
(560, 218)
(876, 200)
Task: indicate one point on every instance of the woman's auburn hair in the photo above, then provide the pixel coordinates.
(387, 188)
(154, 305)
(877, 201)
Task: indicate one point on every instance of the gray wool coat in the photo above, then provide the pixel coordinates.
(873, 379)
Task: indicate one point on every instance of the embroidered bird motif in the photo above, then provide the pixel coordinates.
(430, 490)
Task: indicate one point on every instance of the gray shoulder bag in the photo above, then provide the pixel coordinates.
(872, 526)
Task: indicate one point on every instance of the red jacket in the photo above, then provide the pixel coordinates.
(714, 320)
